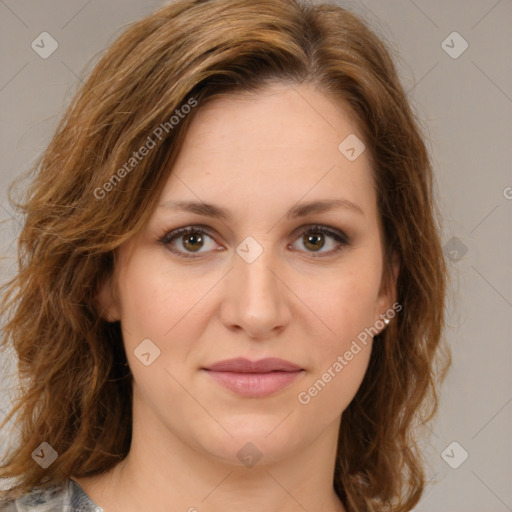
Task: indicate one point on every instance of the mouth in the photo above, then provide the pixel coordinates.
(254, 379)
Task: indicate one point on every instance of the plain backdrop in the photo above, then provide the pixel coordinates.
(463, 95)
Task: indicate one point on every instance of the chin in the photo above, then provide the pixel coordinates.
(254, 443)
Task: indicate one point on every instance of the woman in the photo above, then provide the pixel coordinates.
(227, 296)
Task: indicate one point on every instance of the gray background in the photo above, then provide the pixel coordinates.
(466, 107)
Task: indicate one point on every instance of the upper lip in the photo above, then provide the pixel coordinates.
(242, 365)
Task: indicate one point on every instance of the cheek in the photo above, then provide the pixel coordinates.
(342, 352)
(162, 306)
(152, 301)
(344, 303)
(329, 392)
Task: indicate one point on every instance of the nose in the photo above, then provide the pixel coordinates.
(256, 298)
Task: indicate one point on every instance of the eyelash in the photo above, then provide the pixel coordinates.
(338, 236)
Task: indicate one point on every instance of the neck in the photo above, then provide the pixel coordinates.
(161, 472)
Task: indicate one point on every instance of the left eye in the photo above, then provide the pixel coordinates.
(314, 239)
(194, 238)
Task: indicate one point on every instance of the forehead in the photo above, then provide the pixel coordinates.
(269, 148)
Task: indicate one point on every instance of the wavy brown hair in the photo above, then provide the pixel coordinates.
(75, 391)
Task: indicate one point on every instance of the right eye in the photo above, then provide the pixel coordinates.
(187, 241)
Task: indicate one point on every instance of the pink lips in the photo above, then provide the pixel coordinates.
(254, 379)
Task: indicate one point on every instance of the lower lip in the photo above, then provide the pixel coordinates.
(254, 385)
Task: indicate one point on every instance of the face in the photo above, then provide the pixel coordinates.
(261, 272)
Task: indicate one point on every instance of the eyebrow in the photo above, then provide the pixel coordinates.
(299, 210)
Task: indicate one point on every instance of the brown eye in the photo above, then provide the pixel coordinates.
(317, 237)
(193, 242)
(314, 241)
(189, 240)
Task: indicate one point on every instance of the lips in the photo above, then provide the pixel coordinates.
(254, 379)
(241, 365)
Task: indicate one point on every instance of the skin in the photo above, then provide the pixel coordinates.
(256, 156)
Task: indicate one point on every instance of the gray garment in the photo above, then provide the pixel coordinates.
(71, 498)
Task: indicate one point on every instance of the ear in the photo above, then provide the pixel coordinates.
(388, 288)
(107, 302)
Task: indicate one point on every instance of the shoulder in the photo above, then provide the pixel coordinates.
(70, 497)
(37, 500)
